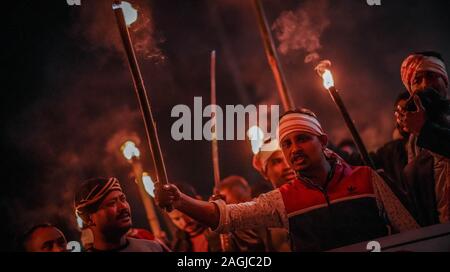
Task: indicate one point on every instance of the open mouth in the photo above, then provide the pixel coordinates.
(289, 176)
(124, 216)
(298, 158)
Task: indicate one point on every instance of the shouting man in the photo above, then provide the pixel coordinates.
(330, 204)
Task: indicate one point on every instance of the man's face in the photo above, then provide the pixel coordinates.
(46, 239)
(426, 80)
(113, 215)
(236, 194)
(278, 171)
(349, 149)
(183, 222)
(303, 151)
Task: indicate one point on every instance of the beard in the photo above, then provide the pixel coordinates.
(114, 233)
(114, 230)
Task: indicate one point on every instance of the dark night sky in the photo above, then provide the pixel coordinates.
(68, 102)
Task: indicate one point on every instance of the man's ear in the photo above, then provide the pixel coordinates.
(323, 140)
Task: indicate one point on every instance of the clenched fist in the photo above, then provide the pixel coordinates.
(166, 195)
(412, 121)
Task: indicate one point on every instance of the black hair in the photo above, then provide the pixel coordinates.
(232, 181)
(346, 142)
(26, 236)
(186, 189)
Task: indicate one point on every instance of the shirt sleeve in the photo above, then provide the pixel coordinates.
(265, 211)
(399, 217)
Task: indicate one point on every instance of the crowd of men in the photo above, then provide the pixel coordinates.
(321, 196)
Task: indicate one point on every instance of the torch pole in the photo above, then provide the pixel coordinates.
(214, 143)
(351, 126)
(224, 238)
(272, 57)
(150, 125)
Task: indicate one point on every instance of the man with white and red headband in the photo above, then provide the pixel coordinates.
(426, 117)
(330, 204)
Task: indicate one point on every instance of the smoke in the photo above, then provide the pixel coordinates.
(98, 26)
(85, 108)
(302, 29)
(322, 66)
(76, 142)
(76, 131)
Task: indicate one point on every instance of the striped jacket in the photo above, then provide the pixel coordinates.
(356, 205)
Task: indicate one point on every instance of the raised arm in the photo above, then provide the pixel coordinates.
(265, 211)
(204, 212)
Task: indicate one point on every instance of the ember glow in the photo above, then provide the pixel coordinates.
(130, 150)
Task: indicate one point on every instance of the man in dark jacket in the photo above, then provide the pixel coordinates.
(426, 117)
(393, 157)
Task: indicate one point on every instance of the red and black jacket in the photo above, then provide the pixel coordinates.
(344, 212)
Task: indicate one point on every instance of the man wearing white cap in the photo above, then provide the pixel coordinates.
(272, 165)
(329, 205)
(426, 117)
(274, 168)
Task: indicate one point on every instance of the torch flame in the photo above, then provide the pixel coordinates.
(256, 136)
(148, 184)
(79, 222)
(130, 150)
(129, 13)
(328, 81)
(323, 69)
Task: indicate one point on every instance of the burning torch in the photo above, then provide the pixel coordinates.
(328, 82)
(272, 57)
(256, 136)
(145, 185)
(125, 16)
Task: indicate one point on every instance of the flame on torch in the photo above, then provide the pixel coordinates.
(130, 150)
(328, 81)
(256, 136)
(148, 184)
(129, 12)
(79, 222)
(323, 69)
